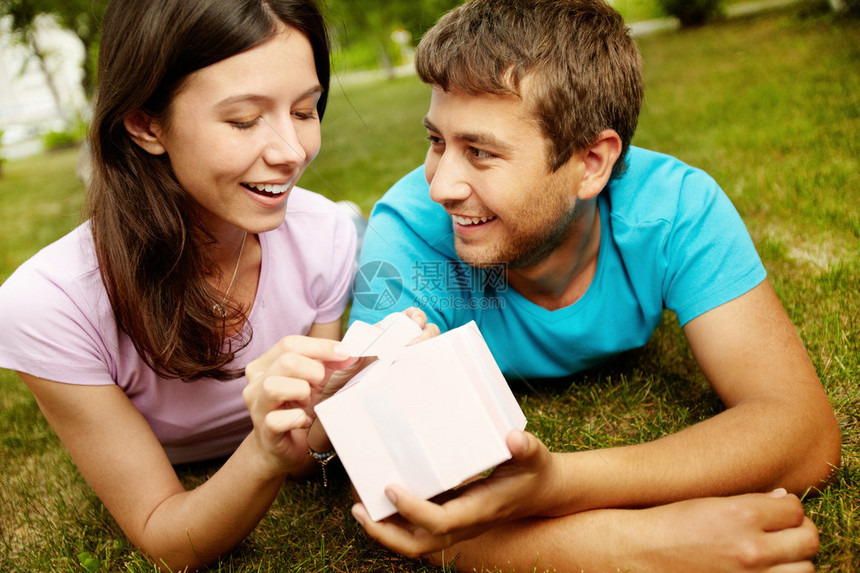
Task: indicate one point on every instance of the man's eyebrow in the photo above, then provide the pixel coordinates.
(252, 97)
(481, 138)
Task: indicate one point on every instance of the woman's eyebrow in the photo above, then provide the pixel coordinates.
(254, 97)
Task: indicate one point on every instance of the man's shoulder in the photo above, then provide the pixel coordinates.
(411, 192)
(407, 212)
(645, 168)
(655, 186)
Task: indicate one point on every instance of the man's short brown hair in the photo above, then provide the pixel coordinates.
(584, 67)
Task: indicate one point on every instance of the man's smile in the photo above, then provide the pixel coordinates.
(470, 221)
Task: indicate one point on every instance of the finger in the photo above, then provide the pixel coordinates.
(522, 445)
(293, 365)
(429, 331)
(281, 421)
(794, 544)
(423, 513)
(398, 538)
(318, 348)
(462, 514)
(776, 513)
(799, 567)
(417, 315)
(273, 390)
(342, 364)
(278, 390)
(528, 452)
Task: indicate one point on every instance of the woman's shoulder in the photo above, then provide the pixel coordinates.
(63, 276)
(56, 310)
(310, 257)
(67, 260)
(314, 222)
(305, 202)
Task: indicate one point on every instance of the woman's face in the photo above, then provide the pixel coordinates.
(240, 133)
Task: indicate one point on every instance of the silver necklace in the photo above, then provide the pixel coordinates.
(219, 308)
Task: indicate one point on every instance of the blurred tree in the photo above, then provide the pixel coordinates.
(369, 22)
(83, 17)
(372, 22)
(692, 12)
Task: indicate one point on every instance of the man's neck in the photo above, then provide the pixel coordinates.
(563, 277)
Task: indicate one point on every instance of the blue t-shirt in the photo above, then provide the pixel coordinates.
(670, 238)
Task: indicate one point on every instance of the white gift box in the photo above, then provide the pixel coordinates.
(426, 416)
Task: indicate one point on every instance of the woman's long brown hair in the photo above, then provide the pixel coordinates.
(152, 250)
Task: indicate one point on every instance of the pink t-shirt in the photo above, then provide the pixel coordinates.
(57, 324)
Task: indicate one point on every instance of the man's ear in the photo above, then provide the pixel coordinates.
(144, 131)
(599, 159)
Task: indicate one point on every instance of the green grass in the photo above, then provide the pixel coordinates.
(372, 136)
(40, 200)
(769, 105)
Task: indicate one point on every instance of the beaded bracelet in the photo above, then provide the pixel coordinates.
(323, 459)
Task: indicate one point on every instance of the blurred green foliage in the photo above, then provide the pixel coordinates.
(692, 12)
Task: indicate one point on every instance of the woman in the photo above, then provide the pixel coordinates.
(200, 261)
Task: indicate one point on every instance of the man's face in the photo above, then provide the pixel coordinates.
(487, 166)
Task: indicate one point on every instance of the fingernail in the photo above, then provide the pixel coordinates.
(392, 497)
(342, 351)
(357, 516)
(779, 492)
(525, 440)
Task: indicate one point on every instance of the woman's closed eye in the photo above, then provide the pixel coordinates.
(246, 124)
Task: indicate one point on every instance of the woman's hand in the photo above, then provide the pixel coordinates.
(283, 386)
(519, 488)
(340, 378)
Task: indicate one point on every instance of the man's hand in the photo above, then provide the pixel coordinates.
(519, 488)
(753, 532)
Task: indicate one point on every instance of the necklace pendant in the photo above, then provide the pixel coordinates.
(219, 310)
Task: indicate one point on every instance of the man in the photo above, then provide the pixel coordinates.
(565, 244)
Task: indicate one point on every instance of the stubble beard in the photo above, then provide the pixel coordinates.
(530, 240)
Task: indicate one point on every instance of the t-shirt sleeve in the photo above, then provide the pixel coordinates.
(393, 271)
(708, 254)
(332, 303)
(50, 330)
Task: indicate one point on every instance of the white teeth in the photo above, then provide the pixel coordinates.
(465, 221)
(269, 188)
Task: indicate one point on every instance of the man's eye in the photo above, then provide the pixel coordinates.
(434, 140)
(480, 153)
